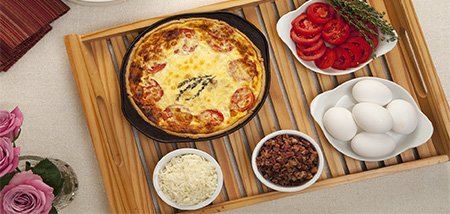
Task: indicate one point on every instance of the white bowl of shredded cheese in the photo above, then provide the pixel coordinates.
(188, 179)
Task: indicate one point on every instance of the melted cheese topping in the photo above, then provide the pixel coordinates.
(188, 57)
(203, 61)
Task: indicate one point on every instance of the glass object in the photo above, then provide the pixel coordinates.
(70, 181)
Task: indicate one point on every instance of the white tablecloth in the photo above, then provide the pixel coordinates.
(41, 83)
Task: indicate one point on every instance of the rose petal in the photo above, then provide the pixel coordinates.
(24, 177)
(10, 123)
(9, 156)
(3, 116)
(26, 193)
(19, 115)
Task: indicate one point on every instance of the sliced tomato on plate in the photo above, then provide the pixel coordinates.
(364, 46)
(211, 117)
(177, 114)
(304, 40)
(343, 59)
(327, 60)
(303, 26)
(355, 32)
(373, 28)
(332, 11)
(242, 99)
(311, 47)
(355, 53)
(152, 91)
(319, 13)
(374, 37)
(311, 56)
(336, 32)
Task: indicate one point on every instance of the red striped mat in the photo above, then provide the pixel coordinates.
(22, 24)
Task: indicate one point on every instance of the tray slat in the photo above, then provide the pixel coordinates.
(230, 181)
(126, 156)
(114, 174)
(289, 84)
(244, 164)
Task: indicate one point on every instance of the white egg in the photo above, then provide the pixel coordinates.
(404, 116)
(372, 145)
(372, 117)
(372, 91)
(339, 123)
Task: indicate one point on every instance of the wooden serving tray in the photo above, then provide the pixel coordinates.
(127, 158)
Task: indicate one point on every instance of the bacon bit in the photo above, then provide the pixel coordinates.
(287, 160)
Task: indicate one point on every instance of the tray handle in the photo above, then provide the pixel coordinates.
(409, 34)
(429, 78)
(417, 74)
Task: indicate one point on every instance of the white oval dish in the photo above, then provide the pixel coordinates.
(284, 28)
(162, 163)
(283, 188)
(341, 96)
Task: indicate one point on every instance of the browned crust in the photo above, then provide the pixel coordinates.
(196, 135)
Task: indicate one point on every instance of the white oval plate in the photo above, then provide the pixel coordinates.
(342, 96)
(162, 163)
(284, 29)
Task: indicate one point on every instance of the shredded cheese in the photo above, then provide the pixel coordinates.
(188, 179)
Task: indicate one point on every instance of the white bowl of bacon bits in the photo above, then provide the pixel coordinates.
(188, 179)
(287, 161)
(335, 37)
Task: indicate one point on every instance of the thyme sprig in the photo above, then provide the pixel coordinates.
(358, 13)
(198, 78)
(192, 83)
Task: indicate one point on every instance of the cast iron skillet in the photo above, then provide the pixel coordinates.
(159, 135)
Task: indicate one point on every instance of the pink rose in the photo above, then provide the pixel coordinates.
(10, 123)
(26, 193)
(9, 156)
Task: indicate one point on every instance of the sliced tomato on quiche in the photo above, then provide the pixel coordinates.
(155, 68)
(242, 69)
(186, 49)
(220, 31)
(188, 42)
(211, 117)
(221, 45)
(242, 99)
(178, 115)
(152, 91)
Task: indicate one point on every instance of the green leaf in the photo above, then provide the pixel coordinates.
(53, 211)
(50, 174)
(5, 179)
(27, 165)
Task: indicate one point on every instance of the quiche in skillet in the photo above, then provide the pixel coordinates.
(195, 77)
